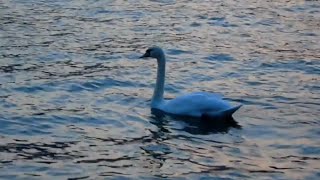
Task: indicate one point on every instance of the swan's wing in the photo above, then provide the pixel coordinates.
(195, 104)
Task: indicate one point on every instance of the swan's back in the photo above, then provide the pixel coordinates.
(195, 104)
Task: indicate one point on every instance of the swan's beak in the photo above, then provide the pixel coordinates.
(145, 55)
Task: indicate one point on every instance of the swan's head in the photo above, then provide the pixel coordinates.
(154, 52)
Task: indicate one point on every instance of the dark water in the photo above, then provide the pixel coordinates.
(75, 98)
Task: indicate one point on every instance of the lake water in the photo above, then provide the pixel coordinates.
(75, 97)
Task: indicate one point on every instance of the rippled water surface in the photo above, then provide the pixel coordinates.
(75, 97)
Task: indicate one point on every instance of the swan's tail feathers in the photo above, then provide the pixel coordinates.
(230, 111)
(225, 114)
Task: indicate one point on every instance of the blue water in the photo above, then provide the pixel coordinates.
(75, 96)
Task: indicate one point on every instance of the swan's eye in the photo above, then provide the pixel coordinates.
(148, 51)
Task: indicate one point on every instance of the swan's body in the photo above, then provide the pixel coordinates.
(197, 104)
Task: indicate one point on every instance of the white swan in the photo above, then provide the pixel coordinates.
(197, 104)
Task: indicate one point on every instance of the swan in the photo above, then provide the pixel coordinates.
(198, 104)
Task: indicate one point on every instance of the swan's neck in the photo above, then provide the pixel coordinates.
(157, 97)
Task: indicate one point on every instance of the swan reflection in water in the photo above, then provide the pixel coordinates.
(157, 148)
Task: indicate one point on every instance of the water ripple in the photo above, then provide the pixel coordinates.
(74, 96)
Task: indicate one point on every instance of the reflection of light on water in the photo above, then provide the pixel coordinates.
(75, 98)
